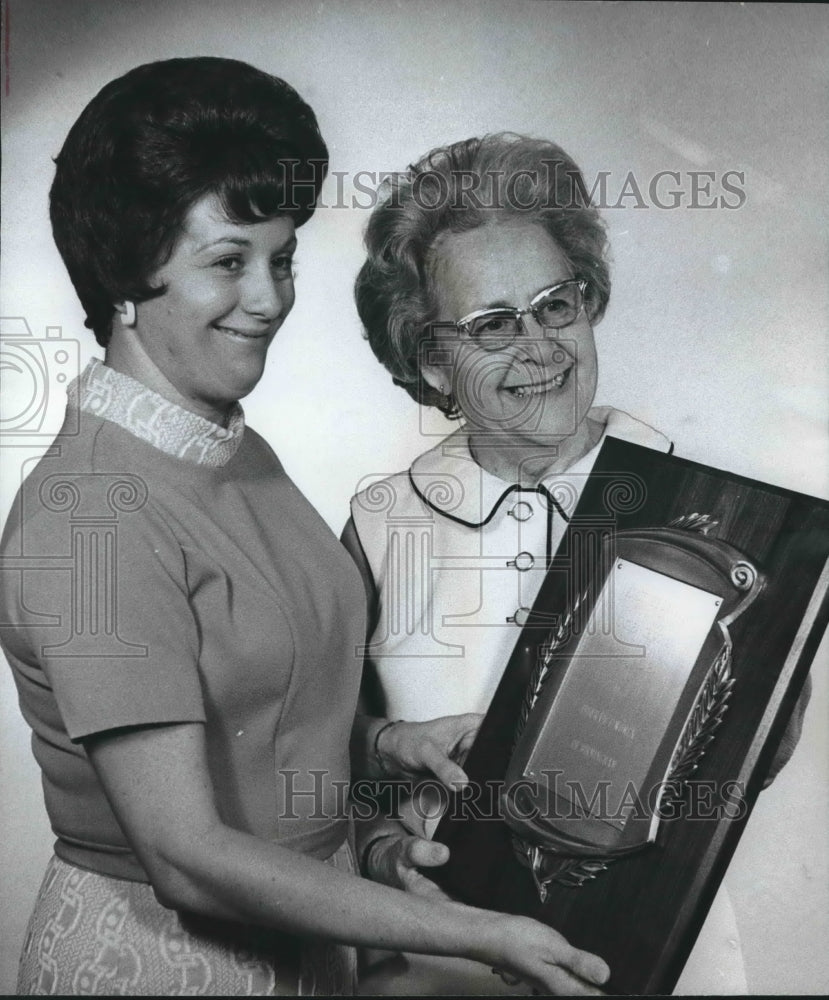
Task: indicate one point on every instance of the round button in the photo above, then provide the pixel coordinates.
(523, 561)
(522, 511)
(520, 617)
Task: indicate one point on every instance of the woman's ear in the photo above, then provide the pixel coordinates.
(438, 377)
(126, 310)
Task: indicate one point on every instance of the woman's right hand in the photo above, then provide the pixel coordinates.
(394, 858)
(520, 949)
(538, 955)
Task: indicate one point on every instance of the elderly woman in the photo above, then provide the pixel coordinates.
(486, 275)
(191, 684)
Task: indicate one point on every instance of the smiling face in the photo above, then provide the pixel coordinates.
(229, 287)
(532, 397)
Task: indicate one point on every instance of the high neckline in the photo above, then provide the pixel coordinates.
(144, 413)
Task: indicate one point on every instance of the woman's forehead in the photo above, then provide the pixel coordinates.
(504, 262)
(208, 222)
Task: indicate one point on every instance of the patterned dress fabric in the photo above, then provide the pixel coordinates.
(93, 935)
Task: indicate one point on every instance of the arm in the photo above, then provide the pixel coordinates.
(351, 540)
(379, 750)
(387, 851)
(158, 783)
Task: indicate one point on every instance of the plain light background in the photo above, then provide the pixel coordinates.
(717, 326)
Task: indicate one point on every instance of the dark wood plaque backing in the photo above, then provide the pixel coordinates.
(643, 914)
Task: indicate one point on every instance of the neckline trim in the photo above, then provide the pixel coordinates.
(122, 400)
(449, 481)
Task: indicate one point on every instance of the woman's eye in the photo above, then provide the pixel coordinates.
(284, 265)
(556, 309)
(232, 263)
(555, 305)
(496, 325)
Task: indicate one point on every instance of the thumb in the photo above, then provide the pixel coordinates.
(435, 759)
(426, 853)
(450, 774)
(588, 967)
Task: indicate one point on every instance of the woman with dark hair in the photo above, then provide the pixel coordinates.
(191, 684)
(486, 273)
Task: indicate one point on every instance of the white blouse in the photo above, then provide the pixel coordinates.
(458, 557)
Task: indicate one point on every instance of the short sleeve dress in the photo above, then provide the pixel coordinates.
(158, 568)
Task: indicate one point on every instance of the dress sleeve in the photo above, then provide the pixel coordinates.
(354, 546)
(111, 631)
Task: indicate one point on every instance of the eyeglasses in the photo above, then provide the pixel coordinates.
(554, 307)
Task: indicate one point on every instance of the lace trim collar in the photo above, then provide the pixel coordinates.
(112, 396)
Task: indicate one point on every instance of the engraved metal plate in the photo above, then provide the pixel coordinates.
(612, 710)
(628, 692)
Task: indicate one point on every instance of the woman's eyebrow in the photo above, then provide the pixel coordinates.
(241, 241)
(497, 304)
(503, 304)
(552, 284)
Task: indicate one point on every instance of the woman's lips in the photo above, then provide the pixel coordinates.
(558, 381)
(243, 334)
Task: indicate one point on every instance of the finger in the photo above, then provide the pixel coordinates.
(419, 885)
(586, 966)
(447, 771)
(562, 983)
(467, 724)
(420, 853)
(465, 745)
(559, 979)
(472, 723)
(381, 860)
(463, 730)
(508, 977)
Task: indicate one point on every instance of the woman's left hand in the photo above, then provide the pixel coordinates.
(437, 747)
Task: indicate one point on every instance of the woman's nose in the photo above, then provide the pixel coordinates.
(533, 329)
(544, 344)
(265, 296)
(561, 350)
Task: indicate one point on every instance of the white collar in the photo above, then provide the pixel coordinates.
(451, 482)
(122, 400)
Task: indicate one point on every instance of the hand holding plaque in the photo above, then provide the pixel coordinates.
(640, 711)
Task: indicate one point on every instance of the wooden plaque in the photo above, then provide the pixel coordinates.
(641, 709)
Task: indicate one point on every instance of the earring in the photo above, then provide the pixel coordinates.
(127, 313)
(442, 389)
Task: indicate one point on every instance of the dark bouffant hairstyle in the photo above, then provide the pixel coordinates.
(457, 188)
(153, 142)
